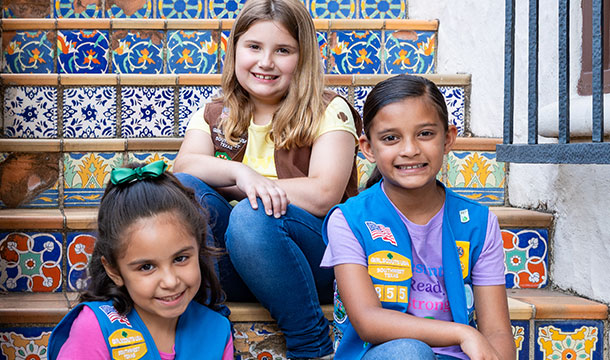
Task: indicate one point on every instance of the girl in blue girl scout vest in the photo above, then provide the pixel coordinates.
(153, 290)
(412, 259)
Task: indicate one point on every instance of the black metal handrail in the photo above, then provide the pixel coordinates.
(564, 152)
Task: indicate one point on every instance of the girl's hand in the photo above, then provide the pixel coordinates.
(476, 346)
(254, 185)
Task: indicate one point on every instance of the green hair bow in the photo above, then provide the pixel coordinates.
(127, 175)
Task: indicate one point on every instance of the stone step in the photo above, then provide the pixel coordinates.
(538, 317)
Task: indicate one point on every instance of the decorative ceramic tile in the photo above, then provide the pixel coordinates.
(24, 343)
(130, 9)
(383, 9)
(360, 94)
(191, 99)
(454, 98)
(224, 40)
(89, 112)
(192, 52)
(147, 158)
(521, 333)
(258, 341)
(323, 46)
(86, 176)
(78, 9)
(28, 51)
(30, 112)
(23, 9)
(365, 169)
(354, 52)
(181, 9)
(137, 52)
(79, 251)
(224, 9)
(408, 51)
(476, 175)
(31, 261)
(578, 339)
(341, 90)
(333, 9)
(526, 258)
(147, 111)
(82, 51)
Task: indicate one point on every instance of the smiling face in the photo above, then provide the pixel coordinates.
(407, 141)
(159, 267)
(266, 57)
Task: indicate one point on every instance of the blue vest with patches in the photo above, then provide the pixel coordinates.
(387, 245)
(201, 333)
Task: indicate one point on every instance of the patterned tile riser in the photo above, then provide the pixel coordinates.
(199, 9)
(576, 339)
(202, 51)
(92, 111)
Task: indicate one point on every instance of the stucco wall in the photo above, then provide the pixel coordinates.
(471, 40)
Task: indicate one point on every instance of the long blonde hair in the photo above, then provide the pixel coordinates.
(296, 121)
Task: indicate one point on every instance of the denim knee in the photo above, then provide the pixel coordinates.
(403, 349)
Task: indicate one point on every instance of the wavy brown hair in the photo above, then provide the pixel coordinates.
(124, 204)
(296, 121)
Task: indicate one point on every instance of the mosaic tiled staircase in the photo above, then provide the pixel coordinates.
(83, 95)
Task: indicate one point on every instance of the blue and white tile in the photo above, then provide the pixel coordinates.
(147, 111)
(360, 94)
(30, 112)
(89, 112)
(333, 9)
(454, 98)
(224, 9)
(192, 98)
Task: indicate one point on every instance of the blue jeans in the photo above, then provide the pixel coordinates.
(403, 349)
(277, 262)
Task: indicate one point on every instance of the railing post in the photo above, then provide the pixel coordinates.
(598, 74)
(509, 70)
(532, 83)
(564, 71)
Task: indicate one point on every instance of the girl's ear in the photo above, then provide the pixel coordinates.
(365, 147)
(450, 137)
(114, 275)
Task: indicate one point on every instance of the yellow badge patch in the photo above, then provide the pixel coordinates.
(463, 248)
(127, 344)
(389, 266)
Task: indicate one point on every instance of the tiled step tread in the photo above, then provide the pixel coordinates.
(34, 308)
(84, 218)
(201, 79)
(169, 144)
(217, 24)
(553, 305)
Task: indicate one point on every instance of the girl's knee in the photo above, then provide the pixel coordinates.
(247, 226)
(401, 349)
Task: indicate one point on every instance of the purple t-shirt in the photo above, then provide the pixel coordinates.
(428, 297)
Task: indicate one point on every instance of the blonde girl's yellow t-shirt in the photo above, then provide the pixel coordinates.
(259, 153)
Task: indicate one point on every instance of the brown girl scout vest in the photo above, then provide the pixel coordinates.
(288, 163)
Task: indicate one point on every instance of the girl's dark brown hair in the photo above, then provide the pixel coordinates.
(121, 206)
(396, 89)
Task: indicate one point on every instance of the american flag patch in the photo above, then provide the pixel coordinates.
(113, 315)
(379, 231)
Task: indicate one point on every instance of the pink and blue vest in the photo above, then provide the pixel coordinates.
(387, 245)
(201, 333)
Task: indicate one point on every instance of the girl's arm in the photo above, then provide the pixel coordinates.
(376, 325)
(493, 319)
(330, 166)
(196, 157)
